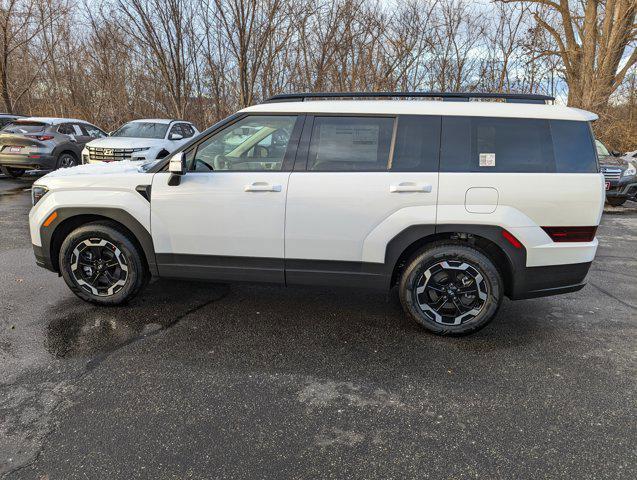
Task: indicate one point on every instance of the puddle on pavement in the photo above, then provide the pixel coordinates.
(86, 330)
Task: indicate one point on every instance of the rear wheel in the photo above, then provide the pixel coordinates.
(451, 289)
(102, 265)
(615, 201)
(66, 160)
(12, 172)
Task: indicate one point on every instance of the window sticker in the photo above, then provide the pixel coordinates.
(487, 159)
(361, 142)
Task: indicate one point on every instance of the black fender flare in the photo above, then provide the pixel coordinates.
(141, 234)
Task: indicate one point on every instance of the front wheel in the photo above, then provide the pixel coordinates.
(451, 289)
(102, 265)
(12, 172)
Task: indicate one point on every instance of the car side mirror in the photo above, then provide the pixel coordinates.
(615, 153)
(177, 168)
(175, 136)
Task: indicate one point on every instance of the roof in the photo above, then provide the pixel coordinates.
(427, 107)
(157, 120)
(51, 120)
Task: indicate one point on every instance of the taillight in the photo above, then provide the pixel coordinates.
(571, 234)
(42, 138)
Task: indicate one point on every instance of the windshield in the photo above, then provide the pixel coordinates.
(602, 151)
(24, 127)
(142, 130)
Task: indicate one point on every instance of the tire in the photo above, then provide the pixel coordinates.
(66, 160)
(615, 201)
(456, 271)
(79, 262)
(12, 172)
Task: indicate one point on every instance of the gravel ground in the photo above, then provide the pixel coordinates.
(213, 381)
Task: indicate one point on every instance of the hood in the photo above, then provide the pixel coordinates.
(611, 161)
(126, 142)
(123, 167)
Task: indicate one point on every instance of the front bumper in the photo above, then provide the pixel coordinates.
(624, 188)
(35, 161)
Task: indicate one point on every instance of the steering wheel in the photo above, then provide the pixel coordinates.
(206, 166)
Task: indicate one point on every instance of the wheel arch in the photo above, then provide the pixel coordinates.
(68, 219)
(486, 238)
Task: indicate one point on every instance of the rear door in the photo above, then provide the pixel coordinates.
(360, 181)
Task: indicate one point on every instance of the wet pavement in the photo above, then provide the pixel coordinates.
(211, 381)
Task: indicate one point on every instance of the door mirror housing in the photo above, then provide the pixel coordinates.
(177, 164)
(615, 153)
(175, 136)
(177, 167)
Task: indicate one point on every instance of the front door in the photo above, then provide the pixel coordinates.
(225, 220)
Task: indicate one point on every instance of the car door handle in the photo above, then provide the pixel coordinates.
(262, 187)
(409, 187)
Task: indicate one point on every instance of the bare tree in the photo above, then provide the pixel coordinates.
(591, 37)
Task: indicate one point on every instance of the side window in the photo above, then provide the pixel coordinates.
(78, 129)
(417, 144)
(66, 129)
(480, 144)
(91, 130)
(350, 144)
(175, 129)
(254, 143)
(187, 130)
(573, 147)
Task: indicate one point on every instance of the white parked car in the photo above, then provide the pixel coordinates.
(456, 204)
(147, 139)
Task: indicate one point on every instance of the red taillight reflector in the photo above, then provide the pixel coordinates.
(42, 138)
(571, 234)
(511, 239)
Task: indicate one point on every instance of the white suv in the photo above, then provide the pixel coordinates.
(457, 204)
(147, 139)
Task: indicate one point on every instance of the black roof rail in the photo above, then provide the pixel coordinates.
(445, 96)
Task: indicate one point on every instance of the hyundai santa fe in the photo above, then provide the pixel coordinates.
(456, 204)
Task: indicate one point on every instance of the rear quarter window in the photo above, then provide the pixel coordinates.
(574, 147)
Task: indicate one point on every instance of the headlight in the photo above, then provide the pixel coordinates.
(37, 193)
(631, 170)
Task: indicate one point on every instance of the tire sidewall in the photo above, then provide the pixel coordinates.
(424, 260)
(67, 155)
(136, 272)
(12, 172)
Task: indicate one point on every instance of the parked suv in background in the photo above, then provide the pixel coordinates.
(39, 143)
(7, 118)
(457, 204)
(620, 174)
(147, 139)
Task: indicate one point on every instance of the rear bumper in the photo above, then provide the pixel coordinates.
(533, 282)
(28, 162)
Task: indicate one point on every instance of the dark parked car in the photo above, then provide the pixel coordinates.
(620, 174)
(38, 143)
(7, 118)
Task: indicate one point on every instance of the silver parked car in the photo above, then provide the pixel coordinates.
(39, 143)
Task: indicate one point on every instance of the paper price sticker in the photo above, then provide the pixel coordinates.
(487, 159)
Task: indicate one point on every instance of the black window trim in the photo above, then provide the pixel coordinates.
(304, 147)
(290, 152)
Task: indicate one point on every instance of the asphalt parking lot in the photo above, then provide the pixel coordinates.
(213, 381)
